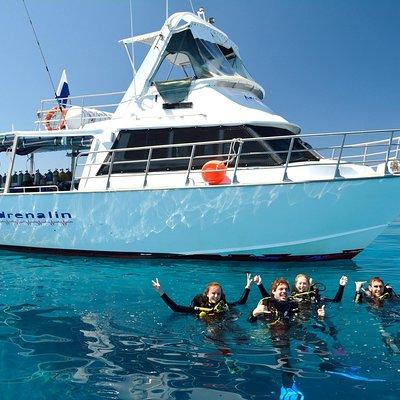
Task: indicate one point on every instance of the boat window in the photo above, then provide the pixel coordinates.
(131, 158)
(301, 150)
(197, 58)
(235, 62)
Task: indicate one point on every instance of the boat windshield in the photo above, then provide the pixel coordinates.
(204, 58)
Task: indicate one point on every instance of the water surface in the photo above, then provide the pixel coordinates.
(79, 328)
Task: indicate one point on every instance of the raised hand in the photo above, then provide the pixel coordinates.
(249, 280)
(359, 285)
(261, 309)
(157, 287)
(257, 279)
(343, 281)
(321, 311)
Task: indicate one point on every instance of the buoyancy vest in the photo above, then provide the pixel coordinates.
(280, 310)
(219, 308)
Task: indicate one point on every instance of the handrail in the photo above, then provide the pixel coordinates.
(88, 105)
(370, 153)
(25, 189)
(285, 177)
(190, 164)
(147, 167)
(84, 96)
(343, 146)
(179, 145)
(388, 153)
(239, 153)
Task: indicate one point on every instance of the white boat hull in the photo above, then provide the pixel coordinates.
(325, 219)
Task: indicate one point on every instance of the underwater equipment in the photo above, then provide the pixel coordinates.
(302, 295)
(318, 287)
(220, 307)
(384, 296)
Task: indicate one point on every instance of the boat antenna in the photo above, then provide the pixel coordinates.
(132, 49)
(41, 52)
(132, 46)
(191, 4)
(166, 9)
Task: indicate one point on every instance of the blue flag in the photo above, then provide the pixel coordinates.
(63, 90)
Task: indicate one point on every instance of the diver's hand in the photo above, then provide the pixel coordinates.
(249, 280)
(321, 311)
(157, 287)
(260, 309)
(257, 280)
(359, 285)
(343, 281)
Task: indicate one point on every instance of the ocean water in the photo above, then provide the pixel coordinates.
(80, 328)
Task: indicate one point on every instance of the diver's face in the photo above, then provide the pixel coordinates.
(376, 288)
(214, 294)
(302, 284)
(281, 292)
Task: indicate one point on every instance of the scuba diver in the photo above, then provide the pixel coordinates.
(279, 310)
(376, 293)
(279, 306)
(209, 303)
(380, 299)
(307, 291)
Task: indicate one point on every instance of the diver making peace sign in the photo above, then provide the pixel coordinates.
(209, 303)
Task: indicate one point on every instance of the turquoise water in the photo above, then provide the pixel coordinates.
(77, 328)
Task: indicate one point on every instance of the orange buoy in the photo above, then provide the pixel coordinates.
(59, 113)
(213, 172)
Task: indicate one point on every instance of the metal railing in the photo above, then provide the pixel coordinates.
(108, 164)
(285, 153)
(31, 189)
(93, 108)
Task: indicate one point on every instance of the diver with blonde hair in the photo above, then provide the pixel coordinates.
(307, 291)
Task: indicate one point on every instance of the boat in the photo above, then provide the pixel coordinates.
(194, 165)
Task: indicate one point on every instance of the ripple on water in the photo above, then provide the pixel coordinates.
(81, 328)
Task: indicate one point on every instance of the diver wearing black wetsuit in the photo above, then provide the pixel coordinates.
(382, 302)
(279, 311)
(201, 304)
(376, 293)
(279, 307)
(211, 302)
(313, 295)
(276, 311)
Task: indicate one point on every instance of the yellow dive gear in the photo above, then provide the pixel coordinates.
(384, 296)
(220, 307)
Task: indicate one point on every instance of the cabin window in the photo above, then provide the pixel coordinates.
(132, 158)
(190, 57)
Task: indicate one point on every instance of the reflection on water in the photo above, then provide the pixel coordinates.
(80, 328)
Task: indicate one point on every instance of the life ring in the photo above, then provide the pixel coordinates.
(60, 113)
(213, 172)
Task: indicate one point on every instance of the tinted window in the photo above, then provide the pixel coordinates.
(254, 153)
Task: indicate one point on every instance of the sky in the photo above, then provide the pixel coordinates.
(325, 65)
